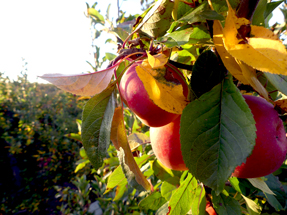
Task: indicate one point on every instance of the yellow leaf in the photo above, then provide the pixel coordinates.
(157, 61)
(128, 158)
(250, 75)
(282, 104)
(165, 94)
(262, 50)
(228, 61)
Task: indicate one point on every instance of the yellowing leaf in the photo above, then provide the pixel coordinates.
(117, 118)
(250, 75)
(282, 104)
(129, 161)
(157, 61)
(167, 95)
(228, 61)
(82, 84)
(261, 50)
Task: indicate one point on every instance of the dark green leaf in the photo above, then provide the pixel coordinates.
(96, 126)
(221, 6)
(258, 17)
(278, 81)
(159, 22)
(270, 7)
(217, 133)
(153, 201)
(279, 200)
(200, 14)
(206, 73)
(225, 205)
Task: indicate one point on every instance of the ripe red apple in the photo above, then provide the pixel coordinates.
(165, 143)
(271, 144)
(137, 99)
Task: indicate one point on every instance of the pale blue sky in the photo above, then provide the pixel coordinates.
(53, 36)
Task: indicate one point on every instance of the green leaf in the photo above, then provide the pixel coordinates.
(183, 198)
(260, 184)
(96, 126)
(167, 189)
(258, 17)
(217, 134)
(129, 174)
(199, 201)
(96, 15)
(252, 207)
(159, 22)
(153, 201)
(278, 201)
(200, 14)
(74, 136)
(81, 164)
(221, 6)
(206, 73)
(270, 7)
(110, 56)
(83, 153)
(117, 179)
(225, 205)
(163, 210)
(177, 38)
(278, 81)
(160, 171)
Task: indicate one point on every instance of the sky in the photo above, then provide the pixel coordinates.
(53, 36)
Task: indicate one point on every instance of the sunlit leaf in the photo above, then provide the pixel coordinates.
(217, 134)
(252, 207)
(96, 125)
(228, 61)
(114, 130)
(159, 22)
(182, 199)
(83, 84)
(129, 166)
(157, 61)
(165, 94)
(250, 75)
(261, 50)
(153, 201)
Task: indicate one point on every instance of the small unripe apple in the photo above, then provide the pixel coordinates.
(137, 99)
(165, 142)
(271, 144)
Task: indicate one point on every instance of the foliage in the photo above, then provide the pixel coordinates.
(217, 130)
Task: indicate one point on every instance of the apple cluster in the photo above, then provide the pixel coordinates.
(271, 143)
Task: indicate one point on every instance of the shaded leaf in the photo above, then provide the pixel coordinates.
(117, 118)
(225, 205)
(278, 201)
(199, 201)
(217, 133)
(260, 184)
(83, 84)
(278, 81)
(96, 125)
(163, 210)
(206, 73)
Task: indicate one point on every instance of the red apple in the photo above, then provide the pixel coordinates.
(271, 144)
(137, 99)
(165, 143)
